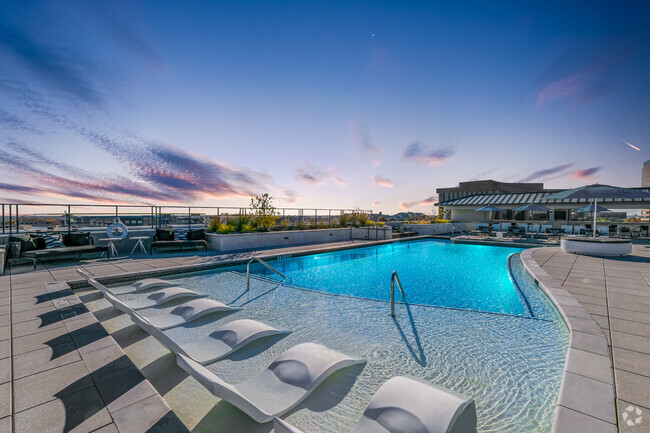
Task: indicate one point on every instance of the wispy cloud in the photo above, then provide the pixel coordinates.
(406, 205)
(545, 173)
(13, 122)
(376, 203)
(64, 72)
(315, 176)
(383, 181)
(586, 173)
(581, 79)
(363, 141)
(290, 196)
(427, 154)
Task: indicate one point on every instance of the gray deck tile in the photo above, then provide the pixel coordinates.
(632, 387)
(5, 332)
(633, 418)
(631, 342)
(141, 416)
(79, 412)
(587, 396)
(634, 316)
(634, 362)
(5, 400)
(44, 359)
(571, 421)
(589, 343)
(630, 327)
(589, 364)
(5, 349)
(40, 340)
(42, 387)
(25, 316)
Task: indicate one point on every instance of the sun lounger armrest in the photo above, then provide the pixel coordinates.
(118, 303)
(208, 379)
(280, 426)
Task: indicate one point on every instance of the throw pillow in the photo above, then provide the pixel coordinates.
(165, 234)
(54, 240)
(180, 235)
(76, 239)
(39, 242)
(196, 235)
(26, 242)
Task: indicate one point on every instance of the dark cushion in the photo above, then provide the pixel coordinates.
(76, 239)
(40, 243)
(26, 242)
(165, 234)
(196, 235)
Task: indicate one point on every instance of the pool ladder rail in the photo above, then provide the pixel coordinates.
(394, 277)
(248, 271)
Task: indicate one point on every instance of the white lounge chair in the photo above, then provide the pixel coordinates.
(220, 343)
(604, 230)
(495, 227)
(534, 228)
(162, 296)
(408, 404)
(505, 226)
(283, 385)
(138, 286)
(187, 312)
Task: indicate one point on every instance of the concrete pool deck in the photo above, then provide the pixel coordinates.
(615, 291)
(63, 373)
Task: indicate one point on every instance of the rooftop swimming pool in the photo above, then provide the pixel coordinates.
(464, 325)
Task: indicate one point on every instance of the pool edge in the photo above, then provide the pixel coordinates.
(584, 398)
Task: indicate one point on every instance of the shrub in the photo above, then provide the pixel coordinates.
(212, 225)
(300, 225)
(225, 229)
(248, 228)
(264, 211)
(240, 221)
(344, 220)
(321, 225)
(333, 224)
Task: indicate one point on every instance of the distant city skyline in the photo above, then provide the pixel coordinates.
(372, 105)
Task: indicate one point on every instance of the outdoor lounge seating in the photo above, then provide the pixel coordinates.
(135, 287)
(222, 342)
(167, 238)
(283, 385)
(409, 404)
(152, 299)
(37, 247)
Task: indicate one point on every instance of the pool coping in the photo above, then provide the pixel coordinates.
(586, 397)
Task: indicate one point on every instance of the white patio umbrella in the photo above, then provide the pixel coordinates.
(488, 208)
(596, 192)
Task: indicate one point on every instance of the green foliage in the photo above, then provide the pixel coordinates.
(344, 220)
(333, 224)
(301, 225)
(370, 223)
(212, 225)
(225, 229)
(381, 224)
(248, 228)
(264, 211)
(240, 221)
(321, 225)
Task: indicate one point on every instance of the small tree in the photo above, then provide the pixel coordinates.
(265, 212)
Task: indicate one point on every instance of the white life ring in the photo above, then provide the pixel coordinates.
(117, 230)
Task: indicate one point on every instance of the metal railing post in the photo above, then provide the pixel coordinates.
(394, 277)
(69, 229)
(248, 271)
(10, 228)
(17, 221)
(3, 219)
(189, 218)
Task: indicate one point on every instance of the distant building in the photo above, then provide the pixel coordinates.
(645, 182)
(465, 189)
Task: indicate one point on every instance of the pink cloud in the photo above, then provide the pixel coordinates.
(383, 181)
(315, 176)
(427, 154)
(375, 203)
(586, 173)
(408, 205)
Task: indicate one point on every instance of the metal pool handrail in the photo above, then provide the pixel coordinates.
(248, 271)
(394, 277)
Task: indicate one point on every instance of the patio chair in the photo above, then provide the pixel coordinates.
(283, 385)
(603, 230)
(183, 314)
(505, 226)
(495, 227)
(625, 232)
(568, 229)
(409, 404)
(222, 342)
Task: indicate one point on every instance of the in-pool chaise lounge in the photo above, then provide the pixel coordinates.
(138, 286)
(283, 385)
(220, 343)
(409, 404)
(152, 299)
(182, 314)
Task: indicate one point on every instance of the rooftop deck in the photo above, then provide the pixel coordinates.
(60, 370)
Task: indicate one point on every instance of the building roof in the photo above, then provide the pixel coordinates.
(526, 198)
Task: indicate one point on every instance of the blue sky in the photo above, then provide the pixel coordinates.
(321, 104)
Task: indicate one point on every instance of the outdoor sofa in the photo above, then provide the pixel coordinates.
(168, 237)
(50, 246)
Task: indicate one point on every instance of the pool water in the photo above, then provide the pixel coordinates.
(510, 362)
(432, 272)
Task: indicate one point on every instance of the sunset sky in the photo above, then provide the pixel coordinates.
(322, 104)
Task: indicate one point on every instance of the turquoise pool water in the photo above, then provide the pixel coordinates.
(432, 272)
(510, 362)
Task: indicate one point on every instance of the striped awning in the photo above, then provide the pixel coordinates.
(526, 198)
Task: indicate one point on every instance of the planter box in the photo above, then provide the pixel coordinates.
(246, 241)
